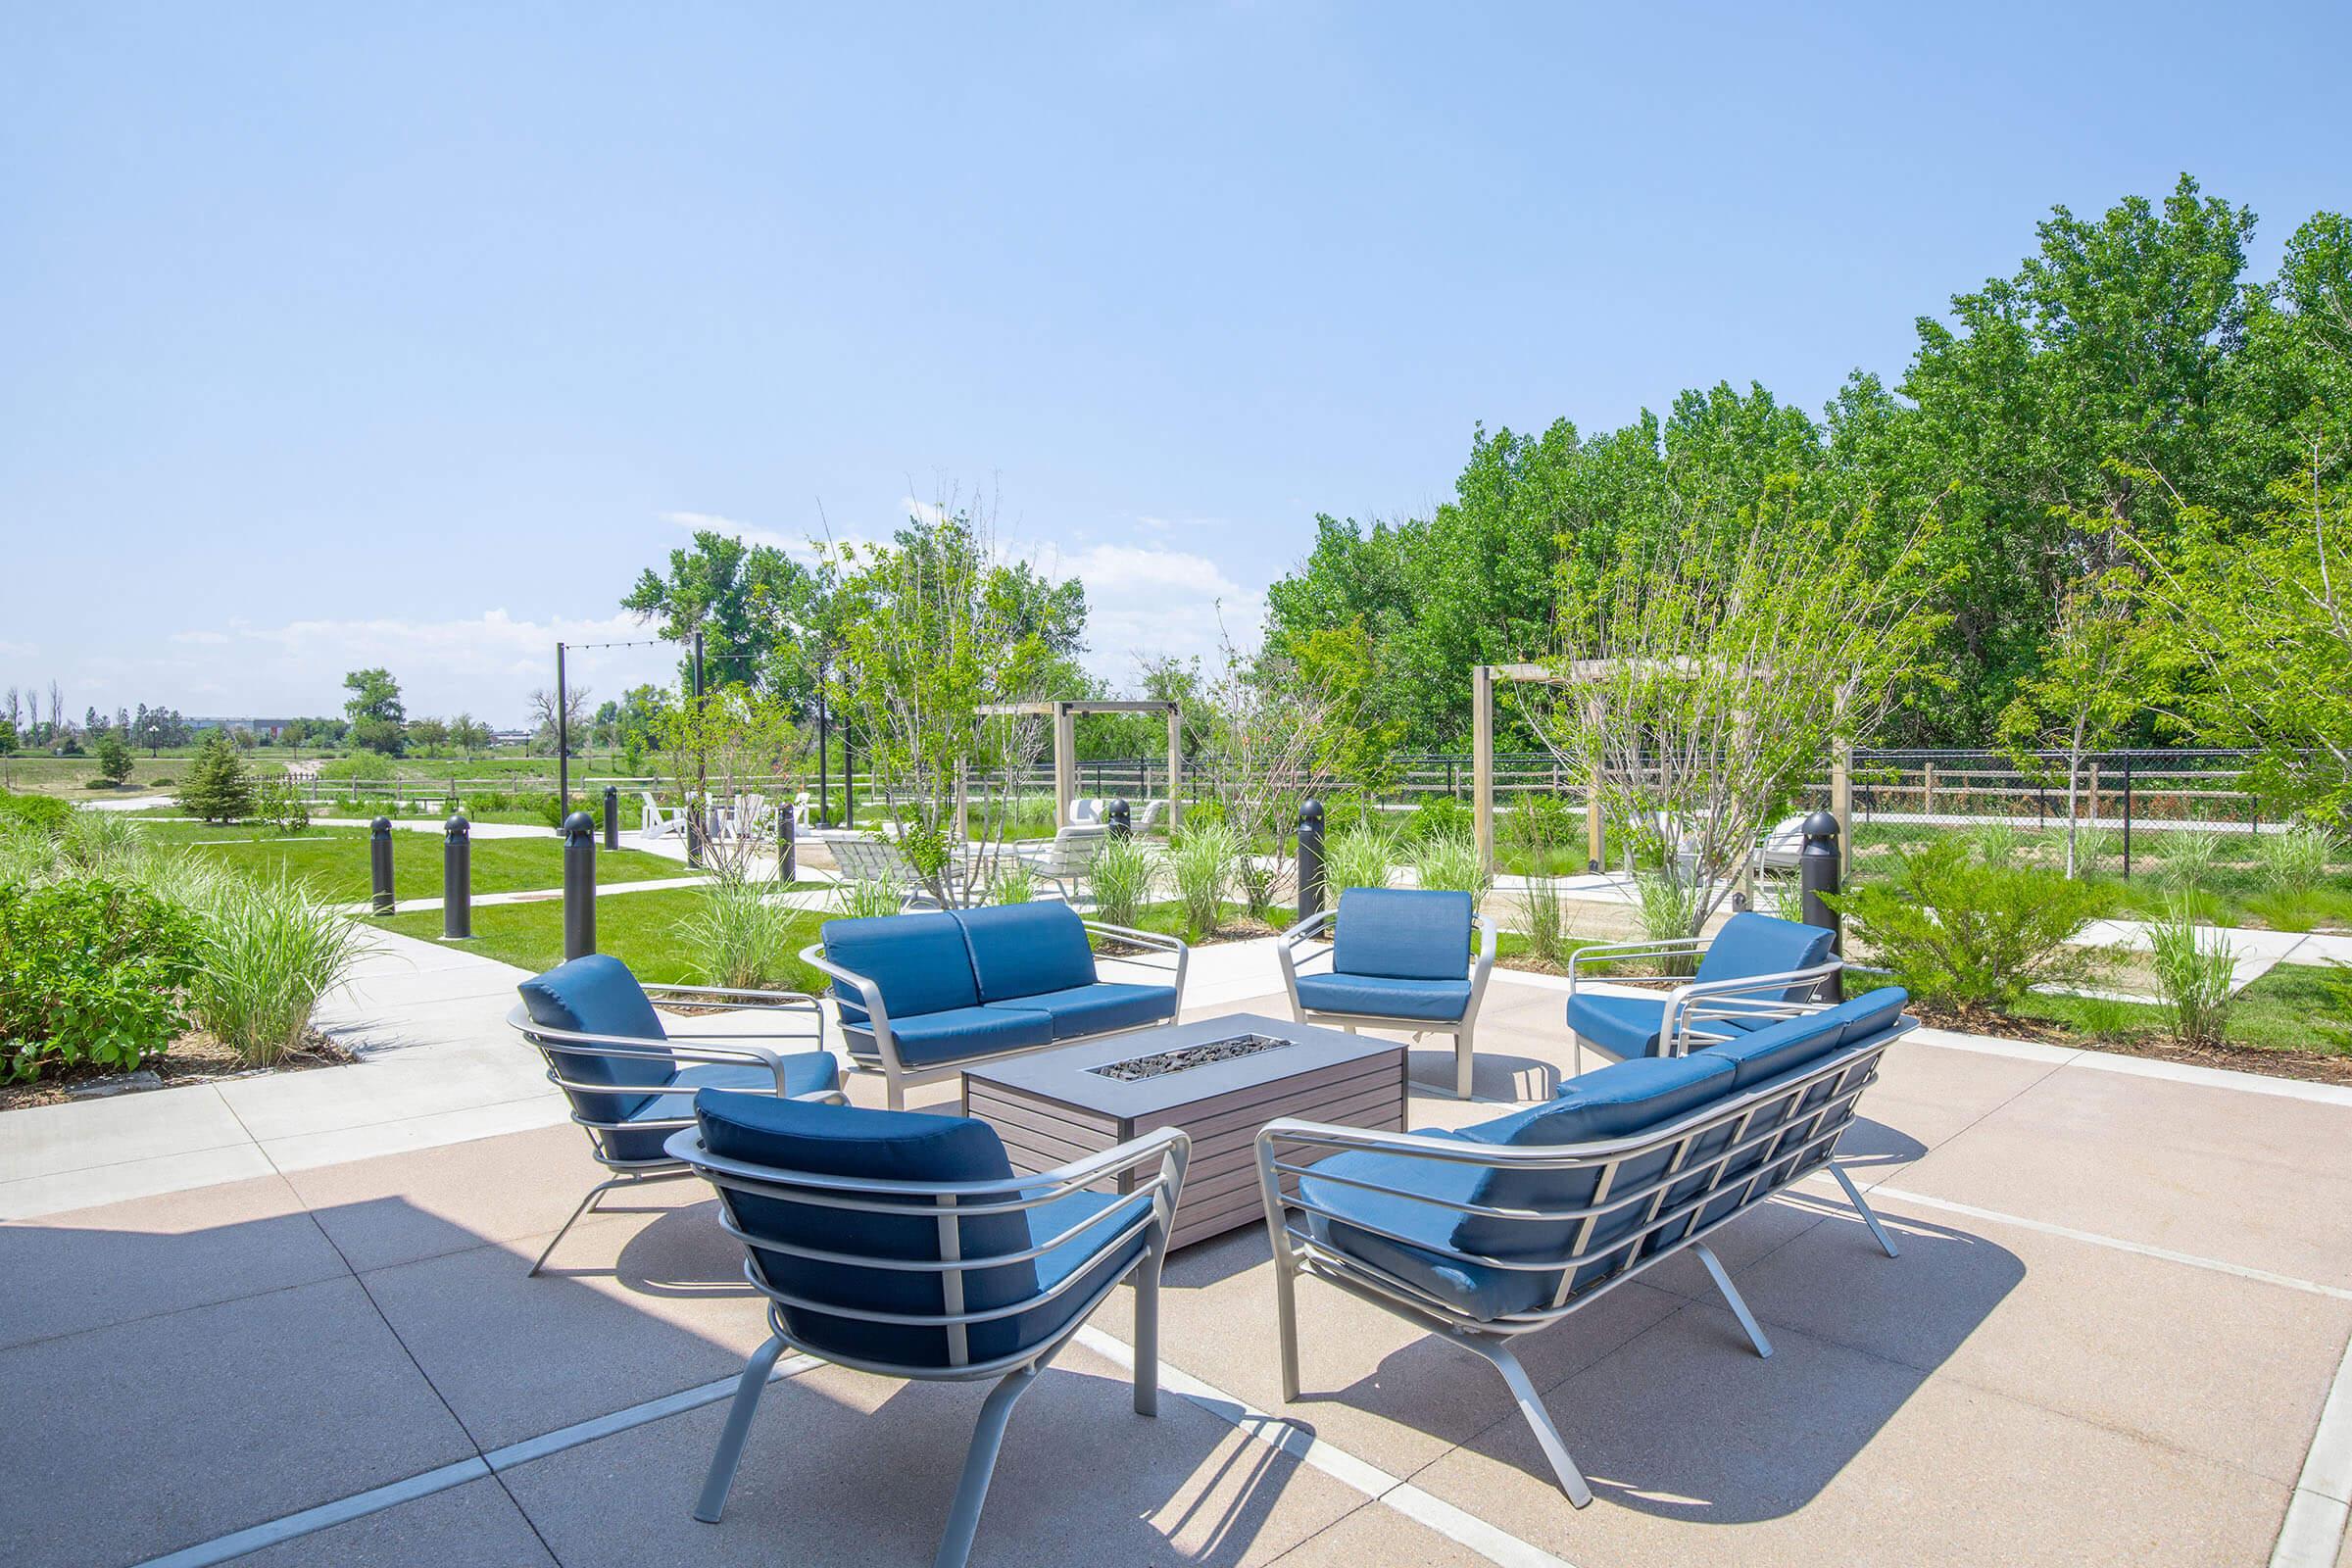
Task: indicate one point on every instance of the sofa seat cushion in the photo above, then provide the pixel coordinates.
(917, 962)
(1629, 1026)
(1099, 1008)
(1026, 950)
(805, 1073)
(1479, 1290)
(595, 995)
(1380, 996)
(1403, 934)
(928, 1038)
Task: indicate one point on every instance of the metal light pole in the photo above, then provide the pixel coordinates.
(694, 808)
(562, 741)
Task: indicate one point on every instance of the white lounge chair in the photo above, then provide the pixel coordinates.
(656, 823)
(1065, 860)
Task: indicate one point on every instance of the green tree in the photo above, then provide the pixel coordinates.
(429, 733)
(218, 788)
(115, 759)
(745, 598)
(2089, 686)
(374, 710)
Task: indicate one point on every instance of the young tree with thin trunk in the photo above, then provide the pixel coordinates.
(2087, 689)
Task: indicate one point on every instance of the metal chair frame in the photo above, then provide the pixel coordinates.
(1690, 1004)
(734, 1050)
(1464, 1055)
(897, 1077)
(1795, 1132)
(947, 1201)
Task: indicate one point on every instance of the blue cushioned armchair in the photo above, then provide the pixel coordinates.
(921, 997)
(902, 1243)
(1485, 1232)
(1757, 970)
(631, 1081)
(1397, 961)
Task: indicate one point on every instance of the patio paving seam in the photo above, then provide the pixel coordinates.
(1286, 1436)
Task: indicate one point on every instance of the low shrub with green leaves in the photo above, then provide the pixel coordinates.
(282, 805)
(1121, 877)
(91, 971)
(1973, 937)
(1435, 815)
(43, 812)
(1359, 857)
(2193, 971)
(1203, 860)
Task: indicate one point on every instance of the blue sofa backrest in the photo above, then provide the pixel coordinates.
(1026, 950)
(595, 995)
(1752, 944)
(877, 1145)
(1403, 934)
(918, 962)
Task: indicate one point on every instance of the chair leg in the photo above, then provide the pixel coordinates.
(1732, 1299)
(1286, 1316)
(1146, 1334)
(1539, 1420)
(1463, 1062)
(721, 1476)
(1869, 1216)
(979, 1468)
(594, 1193)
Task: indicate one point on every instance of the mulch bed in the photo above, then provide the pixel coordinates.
(193, 1058)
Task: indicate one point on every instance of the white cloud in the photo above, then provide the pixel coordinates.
(207, 639)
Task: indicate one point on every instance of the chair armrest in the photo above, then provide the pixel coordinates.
(1146, 939)
(1612, 952)
(1674, 1024)
(709, 1051)
(1489, 935)
(870, 997)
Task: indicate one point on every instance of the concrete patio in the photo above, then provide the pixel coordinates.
(2117, 1334)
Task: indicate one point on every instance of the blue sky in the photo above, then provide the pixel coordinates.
(335, 335)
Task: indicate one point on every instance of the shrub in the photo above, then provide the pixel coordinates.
(282, 805)
(266, 951)
(1202, 858)
(739, 935)
(864, 899)
(90, 971)
(1358, 858)
(2193, 972)
(218, 788)
(165, 781)
(1121, 876)
(1435, 815)
(1450, 862)
(1974, 937)
(43, 812)
(2295, 860)
(115, 763)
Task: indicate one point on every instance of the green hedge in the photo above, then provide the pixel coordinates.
(41, 811)
(90, 971)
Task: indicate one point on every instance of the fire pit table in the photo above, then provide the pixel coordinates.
(1220, 1080)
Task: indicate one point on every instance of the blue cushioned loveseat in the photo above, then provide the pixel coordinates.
(923, 996)
(1486, 1232)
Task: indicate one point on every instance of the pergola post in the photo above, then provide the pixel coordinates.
(1175, 768)
(1482, 762)
(1842, 805)
(1065, 766)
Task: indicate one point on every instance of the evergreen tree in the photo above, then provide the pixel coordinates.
(218, 788)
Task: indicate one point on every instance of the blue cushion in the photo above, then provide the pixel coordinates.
(804, 1073)
(1403, 934)
(1615, 1101)
(1752, 944)
(595, 995)
(1025, 950)
(1480, 1290)
(929, 1038)
(918, 962)
(1377, 996)
(1623, 1026)
(1099, 1009)
(1873, 1012)
(1779, 1047)
(902, 1147)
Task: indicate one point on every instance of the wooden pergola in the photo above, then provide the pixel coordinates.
(1481, 758)
(1064, 713)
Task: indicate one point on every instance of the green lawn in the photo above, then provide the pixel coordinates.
(2297, 1008)
(640, 929)
(334, 860)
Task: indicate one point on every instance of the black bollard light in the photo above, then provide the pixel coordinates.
(1121, 821)
(579, 885)
(457, 879)
(1310, 859)
(612, 816)
(1816, 874)
(379, 862)
(788, 851)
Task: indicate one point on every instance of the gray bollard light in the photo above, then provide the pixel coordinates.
(612, 816)
(1816, 874)
(1310, 859)
(788, 850)
(379, 862)
(579, 885)
(1121, 819)
(457, 879)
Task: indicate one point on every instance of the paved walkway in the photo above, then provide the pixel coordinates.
(2115, 1335)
